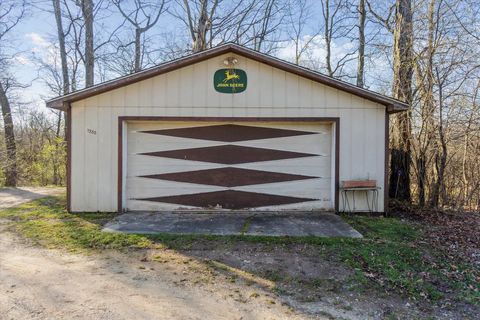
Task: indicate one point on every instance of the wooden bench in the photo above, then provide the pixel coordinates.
(353, 186)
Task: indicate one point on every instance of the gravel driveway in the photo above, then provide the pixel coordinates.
(37, 283)
(10, 197)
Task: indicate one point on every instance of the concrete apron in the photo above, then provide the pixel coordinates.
(318, 224)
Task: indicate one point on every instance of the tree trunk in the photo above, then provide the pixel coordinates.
(362, 14)
(425, 82)
(138, 17)
(66, 81)
(200, 42)
(61, 41)
(402, 90)
(87, 12)
(138, 44)
(328, 39)
(441, 158)
(267, 16)
(421, 178)
(10, 167)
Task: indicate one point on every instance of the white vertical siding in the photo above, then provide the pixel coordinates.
(77, 181)
(189, 92)
(104, 155)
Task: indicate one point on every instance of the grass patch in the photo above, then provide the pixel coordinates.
(246, 225)
(99, 218)
(390, 257)
(390, 229)
(47, 222)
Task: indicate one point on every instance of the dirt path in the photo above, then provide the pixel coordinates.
(46, 284)
(10, 197)
(37, 283)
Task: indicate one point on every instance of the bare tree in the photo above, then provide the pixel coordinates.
(431, 47)
(266, 20)
(11, 13)
(198, 17)
(10, 169)
(142, 17)
(83, 47)
(337, 24)
(445, 66)
(424, 84)
(57, 10)
(73, 38)
(253, 23)
(402, 90)
(299, 15)
(61, 42)
(362, 15)
(441, 131)
(87, 8)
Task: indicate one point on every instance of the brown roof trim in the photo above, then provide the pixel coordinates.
(392, 105)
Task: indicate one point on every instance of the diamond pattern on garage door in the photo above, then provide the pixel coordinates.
(227, 177)
(229, 199)
(229, 133)
(228, 154)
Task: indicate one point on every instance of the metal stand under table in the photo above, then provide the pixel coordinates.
(372, 204)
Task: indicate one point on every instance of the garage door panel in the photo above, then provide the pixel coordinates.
(320, 167)
(254, 166)
(307, 206)
(229, 199)
(316, 144)
(138, 205)
(139, 142)
(143, 165)
(145, 187)
(230, 132)
(157, 125)
(289, 125)
(314, 188)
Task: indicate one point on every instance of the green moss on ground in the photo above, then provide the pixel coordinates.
(48, 223)
(391, 256)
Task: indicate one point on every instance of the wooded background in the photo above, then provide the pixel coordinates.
(423, 52)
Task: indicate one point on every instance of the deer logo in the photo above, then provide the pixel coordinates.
(229, 76)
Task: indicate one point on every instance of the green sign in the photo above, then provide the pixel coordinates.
(230, 80)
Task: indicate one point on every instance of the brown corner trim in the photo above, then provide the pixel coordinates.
(337, 165)
(387, 162)
(68, 124)
(121, 120)
(120, 166)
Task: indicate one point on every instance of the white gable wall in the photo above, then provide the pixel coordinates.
(189, 92)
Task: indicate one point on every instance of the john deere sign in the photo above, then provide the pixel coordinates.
(230, 80)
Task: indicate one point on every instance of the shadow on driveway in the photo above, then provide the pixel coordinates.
(11, 197)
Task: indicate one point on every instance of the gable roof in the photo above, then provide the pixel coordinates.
(393, 105)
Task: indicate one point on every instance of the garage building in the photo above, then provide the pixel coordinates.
(225, 129)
